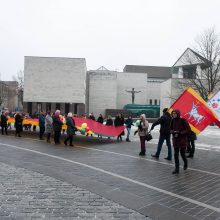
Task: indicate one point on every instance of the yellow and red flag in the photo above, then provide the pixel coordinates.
(195, 110)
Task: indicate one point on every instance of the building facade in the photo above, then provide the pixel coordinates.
(52, 83)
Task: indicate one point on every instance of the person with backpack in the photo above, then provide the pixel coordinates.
(164, 122)
(179, 128)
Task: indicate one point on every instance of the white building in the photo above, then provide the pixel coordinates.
(52, 83)
(111, 89)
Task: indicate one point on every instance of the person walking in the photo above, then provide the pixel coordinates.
(48, 125)
(18, 124)
(4, 123)
(191, 144)
(179, 128)
(119, 121)
(57, 127)
(41, 121)
(70, 129)
(129, 123)
(142, 131)
(164, 122)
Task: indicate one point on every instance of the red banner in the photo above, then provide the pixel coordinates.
(195, 110)
(99, 128)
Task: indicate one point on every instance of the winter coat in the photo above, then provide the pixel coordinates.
(164, 122)
(57, 124)
(18, 122)
(119, 121)
(192, 136)
(100, 119)
(129, 122)
(4, 120)
(70, 126)
(143, 128)
(109, 122)
(41, 120)
(180, 129)
(48, 124)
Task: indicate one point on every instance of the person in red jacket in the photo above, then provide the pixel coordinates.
(179, 128)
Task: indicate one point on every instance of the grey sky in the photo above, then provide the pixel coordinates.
(110, 33)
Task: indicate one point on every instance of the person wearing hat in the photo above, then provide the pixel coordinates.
(164, 122)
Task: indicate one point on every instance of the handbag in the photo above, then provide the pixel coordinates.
(148, 137)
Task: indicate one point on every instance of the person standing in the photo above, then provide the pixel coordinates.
(4, 123)
(119, 121)
(191, 144)
(100, 120)
(57, 126)
(142, 131)
(109, 122)
(18, 124)
(179, 128)
(164, 122)
(41, 121)
(70, 129)
(48, 125)
(129, 123)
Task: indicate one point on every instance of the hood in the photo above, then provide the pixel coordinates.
(177, 112)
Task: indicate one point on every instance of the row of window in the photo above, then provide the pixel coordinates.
(154, 102)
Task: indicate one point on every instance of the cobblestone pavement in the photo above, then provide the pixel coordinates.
(114, 171)
(30, 195)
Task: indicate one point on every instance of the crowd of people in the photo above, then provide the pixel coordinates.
(170, 124)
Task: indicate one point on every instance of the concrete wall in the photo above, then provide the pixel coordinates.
(153, 91)
(125, 82)
(102, 92)
(60, 80)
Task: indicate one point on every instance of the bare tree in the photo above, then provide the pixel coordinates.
(20, 88)
(207, 50)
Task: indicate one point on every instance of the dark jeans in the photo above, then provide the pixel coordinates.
(5, 128)
(42, 130)
(143, 147)
(162, 138)
(57, 137)
(176, 157)
(70, 138)
(191, 147)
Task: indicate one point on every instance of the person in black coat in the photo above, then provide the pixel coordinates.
(191, 144)
(100, 120)
(4, 123)
(119, 121)
(70, 129)
(18, 124)
(57, 126)
(164, 122)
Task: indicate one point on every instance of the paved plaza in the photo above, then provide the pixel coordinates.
(105, 179)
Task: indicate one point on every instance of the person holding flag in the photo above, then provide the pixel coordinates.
(179, 128)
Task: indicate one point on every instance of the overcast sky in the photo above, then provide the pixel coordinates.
(110, 33)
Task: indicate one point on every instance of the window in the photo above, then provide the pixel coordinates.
(48, 107)
(39, 107)
(155, 102)
(150, 102)
(57, 106)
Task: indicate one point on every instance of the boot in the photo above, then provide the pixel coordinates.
(175, 171)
